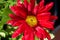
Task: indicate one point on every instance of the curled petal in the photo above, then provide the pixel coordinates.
(18, 31)
(43, 16)
(47, 7)
(43, 32)
(18, 11)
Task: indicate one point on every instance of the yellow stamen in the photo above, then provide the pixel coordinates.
(31, 21)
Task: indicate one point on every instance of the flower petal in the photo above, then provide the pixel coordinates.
(43, 32)
(40, 31)
(35, 10)
(41, 4)
(47, 35)
(12, 16)
(39, 35)
(28, 35)
(43, 16)
(15, 22)
(26, 3)
(18, 23)
(11, 22)
(31, 5)
(47, 24)
(39, 7)
(47, 7)
(23, 38)
(53, 17)
(18, 31)
(18, 11)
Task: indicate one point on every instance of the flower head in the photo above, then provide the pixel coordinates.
(32, 19)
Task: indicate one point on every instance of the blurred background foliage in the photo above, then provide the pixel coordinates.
(7, 30)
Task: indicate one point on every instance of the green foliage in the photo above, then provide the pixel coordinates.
(5, 30)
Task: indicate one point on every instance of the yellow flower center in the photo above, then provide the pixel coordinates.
(31, 21)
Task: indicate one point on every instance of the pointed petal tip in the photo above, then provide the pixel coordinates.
(10, 7)
(54, 17)
(10, 22)
(51, 3)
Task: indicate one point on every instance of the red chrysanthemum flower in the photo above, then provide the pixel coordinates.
(32, 19)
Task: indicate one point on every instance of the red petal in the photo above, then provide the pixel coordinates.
(47, 24)
(28, 35)
(35, 10)
(19, 3)
(53, 17)
(43, 33)
(43, 16)
(12, 16)
(11, 22)
(38, 34)
(31, 36)
(15, 22)
(18, 31)
(31, 5)
(47, 35)
(18, 23)
(47, 7)
(18, 11)
(26, 3)
(41, 4)
(23, 38)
